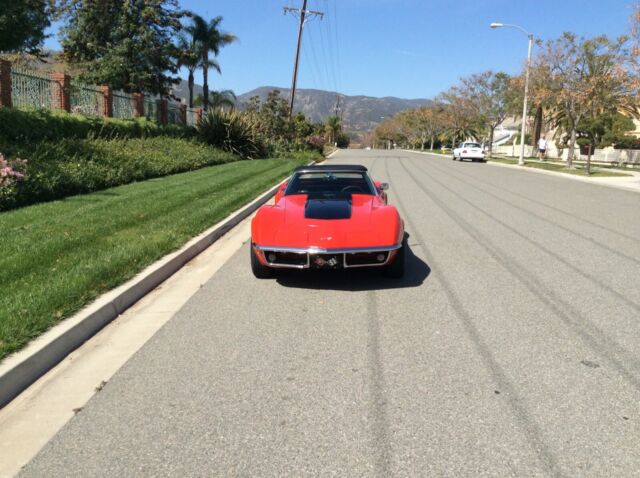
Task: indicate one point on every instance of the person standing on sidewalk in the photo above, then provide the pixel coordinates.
(542, 148)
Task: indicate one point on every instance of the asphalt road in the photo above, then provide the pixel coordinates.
(511, 348)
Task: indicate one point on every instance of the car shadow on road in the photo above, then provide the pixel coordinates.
(416, 272)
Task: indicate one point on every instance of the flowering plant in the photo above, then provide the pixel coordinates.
(11, 171)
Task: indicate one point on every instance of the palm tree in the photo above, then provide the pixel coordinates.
(218, 99)
(209, 39)
(333, 127)
(189, 57)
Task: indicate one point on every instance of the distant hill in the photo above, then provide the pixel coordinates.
(359, 113)
(181, 90)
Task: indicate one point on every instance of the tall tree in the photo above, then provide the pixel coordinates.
(333, 127)
(124, 43)
(585, 76)
(461, 118)
(389, 132)
(432, 122)
(487, 94)
(210, 40)
(188, 57)
(22, 24)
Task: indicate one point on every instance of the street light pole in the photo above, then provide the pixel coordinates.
(524, 106)
(526, 85)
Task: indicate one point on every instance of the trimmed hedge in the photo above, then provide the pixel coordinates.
(56, 169)
(40, 125)
(69, 154)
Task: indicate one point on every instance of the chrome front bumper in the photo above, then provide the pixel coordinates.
(308, 256)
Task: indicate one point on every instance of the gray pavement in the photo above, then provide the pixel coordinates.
(511, 348)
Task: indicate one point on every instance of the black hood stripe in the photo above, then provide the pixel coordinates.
(327, 209)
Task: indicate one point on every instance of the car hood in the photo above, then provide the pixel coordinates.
(297, 221)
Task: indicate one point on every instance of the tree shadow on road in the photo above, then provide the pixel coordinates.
(416, 272)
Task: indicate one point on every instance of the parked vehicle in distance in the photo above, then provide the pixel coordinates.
(328, 217)
(469, 150)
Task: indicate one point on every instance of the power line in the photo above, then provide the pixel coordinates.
(321, 77)
(334, 50)
(302, 13)
(307, 60)
(326, 57)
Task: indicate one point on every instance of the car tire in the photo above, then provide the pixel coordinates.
(453, 157)
(395, 270)
(260, 271)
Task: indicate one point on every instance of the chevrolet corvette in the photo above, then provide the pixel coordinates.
(328, 217)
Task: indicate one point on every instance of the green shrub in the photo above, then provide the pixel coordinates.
(231, 131)
(627, 142)
(65, 167)
(39, 125)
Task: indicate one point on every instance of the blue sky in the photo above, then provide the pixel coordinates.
(404, 48)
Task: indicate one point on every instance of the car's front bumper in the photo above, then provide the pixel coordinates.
(318, 258)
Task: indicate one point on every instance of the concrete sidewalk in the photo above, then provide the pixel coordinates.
(628, 183)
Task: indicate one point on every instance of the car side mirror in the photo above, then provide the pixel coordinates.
(384, 186)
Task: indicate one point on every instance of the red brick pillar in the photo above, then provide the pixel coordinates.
(5, 84)
(183, 114)
(199, 112)
(107, 101)
(60, 92)
(138, 104)
(163, 112)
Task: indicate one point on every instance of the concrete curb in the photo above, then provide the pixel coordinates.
(20, 370)
(332, 153)
(606, 181)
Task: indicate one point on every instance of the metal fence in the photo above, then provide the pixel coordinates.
(173, 113)
(34, 90)
(122, 105)
(29, 89)
(86, 99)
(151, 108)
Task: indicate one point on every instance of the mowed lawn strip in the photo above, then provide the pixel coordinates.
(57, 257)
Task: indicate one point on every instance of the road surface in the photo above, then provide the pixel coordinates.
(511, 348)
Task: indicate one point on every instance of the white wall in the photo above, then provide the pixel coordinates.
(605, 155)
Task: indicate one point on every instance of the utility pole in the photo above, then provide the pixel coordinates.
(302, 12)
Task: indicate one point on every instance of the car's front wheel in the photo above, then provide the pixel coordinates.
(395, 270)
(260, 271)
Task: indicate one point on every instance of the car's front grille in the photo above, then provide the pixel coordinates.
(303, 259)
(326, 261)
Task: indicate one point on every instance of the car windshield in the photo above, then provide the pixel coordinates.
(472, 145)
(330, 184)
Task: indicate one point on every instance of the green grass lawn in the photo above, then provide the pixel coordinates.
(559, 167)
(59, 256)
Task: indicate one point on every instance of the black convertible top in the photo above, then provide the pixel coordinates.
(330, 167)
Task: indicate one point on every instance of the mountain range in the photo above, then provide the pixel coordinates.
(359, 113)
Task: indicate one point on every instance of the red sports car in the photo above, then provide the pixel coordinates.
(328, 217)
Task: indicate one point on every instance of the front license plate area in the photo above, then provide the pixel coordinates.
(326, 261)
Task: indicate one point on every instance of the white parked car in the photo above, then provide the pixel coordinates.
(469, 150)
